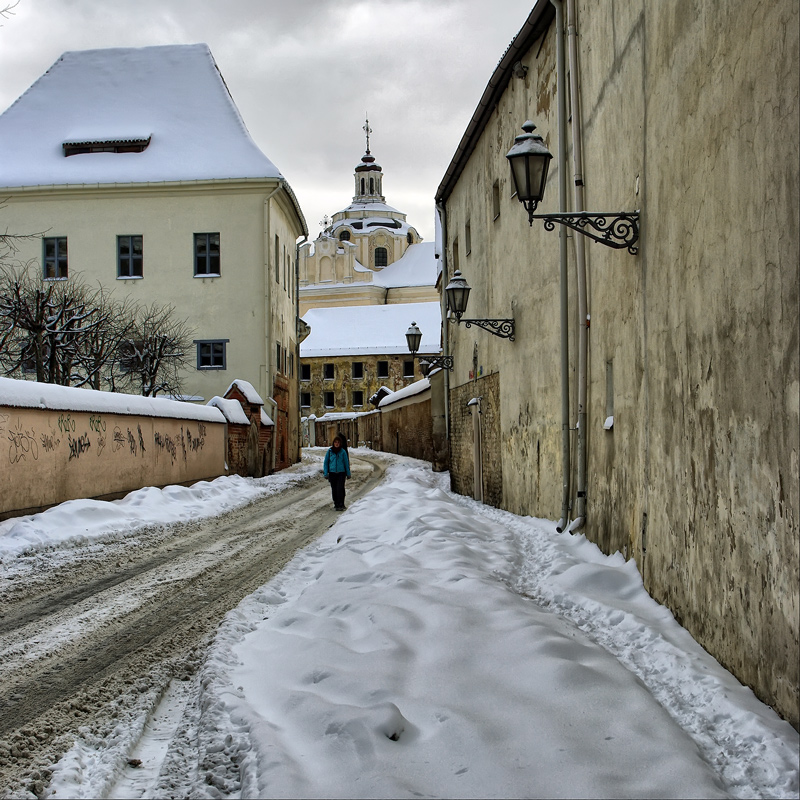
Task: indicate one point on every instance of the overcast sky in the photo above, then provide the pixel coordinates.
(304, 73)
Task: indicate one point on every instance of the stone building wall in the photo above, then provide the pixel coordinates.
(693, 344)
(407, 429)
(344, 384)
(461, 438)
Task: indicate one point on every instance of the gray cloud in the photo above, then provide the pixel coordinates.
(304, 74)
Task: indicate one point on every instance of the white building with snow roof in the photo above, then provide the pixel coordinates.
(368, 254)
(140, 172)
(362, 282)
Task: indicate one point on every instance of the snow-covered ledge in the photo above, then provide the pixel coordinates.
(66, 443)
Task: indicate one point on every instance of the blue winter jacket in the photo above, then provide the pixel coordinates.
(336, 462)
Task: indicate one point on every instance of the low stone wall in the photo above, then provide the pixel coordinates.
(51, 455)
(407, 428)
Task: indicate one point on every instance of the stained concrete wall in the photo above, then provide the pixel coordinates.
(690, 113)
(50, 456)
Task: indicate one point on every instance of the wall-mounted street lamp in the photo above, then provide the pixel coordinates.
(426, 363)
(457, 293)
(530, 159)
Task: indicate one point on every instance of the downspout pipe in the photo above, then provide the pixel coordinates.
(561, 73)
(268, 343)
(297, 247)
(440, 207)
(580, 256)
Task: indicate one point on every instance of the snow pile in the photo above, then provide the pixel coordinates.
(231, 409)
(417, 652)
(31, 394)
(76, 522)
(248, 390)
(412, 389)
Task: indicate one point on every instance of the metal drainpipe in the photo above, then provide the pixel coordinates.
(443, 307)
(297, 246)
(564, 273)
(580, 254)
(268, 322)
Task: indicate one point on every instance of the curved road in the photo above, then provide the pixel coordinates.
(84, 634)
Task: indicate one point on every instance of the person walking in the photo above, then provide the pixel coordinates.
(337, 469)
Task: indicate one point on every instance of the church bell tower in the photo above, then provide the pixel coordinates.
(368, 176)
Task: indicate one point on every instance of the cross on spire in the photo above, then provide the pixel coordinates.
(366, 128)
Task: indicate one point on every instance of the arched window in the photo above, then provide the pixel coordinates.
(381, 257)
(372, 186)
(362, 186)
(409, 238)
(344, 236)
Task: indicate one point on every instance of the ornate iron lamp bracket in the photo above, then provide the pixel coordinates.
(427, 363)
(504, 328)
(613, 229)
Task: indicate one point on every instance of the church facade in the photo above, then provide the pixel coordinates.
(368, 256)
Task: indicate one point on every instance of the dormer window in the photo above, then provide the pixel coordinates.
(344, 236)
(106, 146)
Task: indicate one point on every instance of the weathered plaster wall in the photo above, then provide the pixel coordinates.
(51, 456)
(690, 113)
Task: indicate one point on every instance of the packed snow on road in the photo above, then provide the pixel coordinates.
(425, 645)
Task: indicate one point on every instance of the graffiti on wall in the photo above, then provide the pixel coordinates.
(22, 444)
(25, 443)
(185, 442)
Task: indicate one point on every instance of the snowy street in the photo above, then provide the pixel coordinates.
(420, 644)
(95, 630)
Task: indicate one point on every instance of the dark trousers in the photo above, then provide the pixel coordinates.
(337, 480)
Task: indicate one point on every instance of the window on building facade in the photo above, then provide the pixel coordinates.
(408, 369)
(130, 256)
(305, 372)
(358, 369)
(496, 199)
(290, 363)
(305, 399)
(206, 254)
(55, 258)
(455, 254)
(467, 238)
(279, 358)
(344, 236)
(381, 256)
(383, 369)
(328, 399)
(328, 372)
(277, 259)
(358, 398)
(211, 353)
(410, 238)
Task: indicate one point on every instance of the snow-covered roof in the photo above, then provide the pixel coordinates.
(265, 419)
(231, 409)
(369, 224)
(30, 394)
(248, 390)
(417, 267)
(370, 330)
(407, 391)
(173, 95)
(369, 207)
